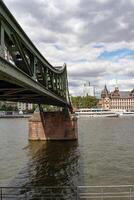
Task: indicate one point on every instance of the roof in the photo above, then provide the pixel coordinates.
(105, 90)
(123, 94)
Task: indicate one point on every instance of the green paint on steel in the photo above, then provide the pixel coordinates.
(22, 58)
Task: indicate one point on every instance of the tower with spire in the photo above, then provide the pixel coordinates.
(116, 92)
(104, 92)
(105, 96)
(117, 100)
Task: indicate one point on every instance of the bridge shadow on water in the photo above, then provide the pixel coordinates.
(51, 164)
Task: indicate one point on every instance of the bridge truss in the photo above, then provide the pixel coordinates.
(25, 75)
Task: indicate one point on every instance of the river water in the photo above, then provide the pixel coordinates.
(103, 155)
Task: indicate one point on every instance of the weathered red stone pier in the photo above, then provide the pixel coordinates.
(57, 125)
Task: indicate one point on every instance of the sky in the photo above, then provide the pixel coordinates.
(95, 38)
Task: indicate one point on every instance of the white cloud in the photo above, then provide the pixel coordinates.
(122, 24)
(77, 32)
(102, 1)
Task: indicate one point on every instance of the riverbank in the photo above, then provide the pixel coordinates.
(15, 116)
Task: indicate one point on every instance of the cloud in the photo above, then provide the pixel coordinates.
(94, 37)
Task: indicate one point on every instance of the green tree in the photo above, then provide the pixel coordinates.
(84, 102)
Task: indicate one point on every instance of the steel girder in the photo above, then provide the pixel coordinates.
(20, 56)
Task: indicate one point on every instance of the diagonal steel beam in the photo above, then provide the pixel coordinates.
(10, 92)
(11, 73)
(11, 21)
(18, 44)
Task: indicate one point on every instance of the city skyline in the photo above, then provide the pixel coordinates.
(94, 37)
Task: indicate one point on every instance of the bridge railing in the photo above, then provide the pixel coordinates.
(17, 48)
(37, 193)
(118, 192)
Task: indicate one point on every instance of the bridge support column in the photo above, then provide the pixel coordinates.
(53, 126)
(2, 44)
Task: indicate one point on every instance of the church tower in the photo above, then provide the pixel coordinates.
(116, 93)
(105, 97)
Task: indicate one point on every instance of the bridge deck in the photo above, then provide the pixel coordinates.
(25, 75)
(16, 85)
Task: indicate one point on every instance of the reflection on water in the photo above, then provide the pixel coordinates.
(103, 155)
(53, 163)
(50, 164)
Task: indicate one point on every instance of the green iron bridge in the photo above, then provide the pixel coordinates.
(25, 75)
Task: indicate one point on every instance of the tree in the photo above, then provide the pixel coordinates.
(84, 102)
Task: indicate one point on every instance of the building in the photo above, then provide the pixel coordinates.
(17, 105)
(117, 100)
(88, 90)
(9, 104)
(24, 106)
(105, 98)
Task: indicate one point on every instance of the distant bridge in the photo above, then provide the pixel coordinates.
(25, 75)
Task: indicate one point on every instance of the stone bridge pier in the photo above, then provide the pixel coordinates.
(57, 125)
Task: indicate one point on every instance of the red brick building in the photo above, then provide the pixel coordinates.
(117, 100)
